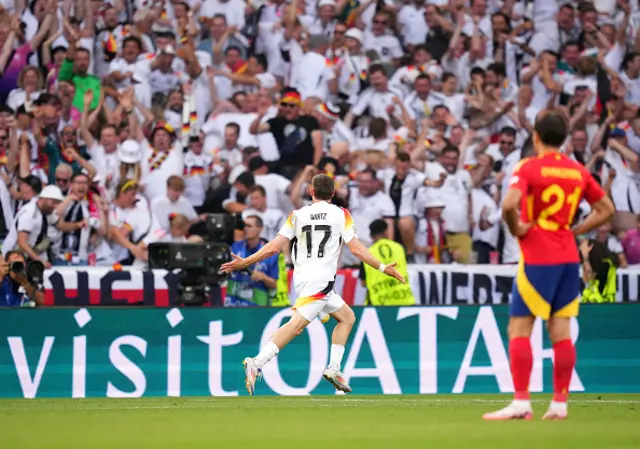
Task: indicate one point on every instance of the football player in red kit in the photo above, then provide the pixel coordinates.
(539, 208)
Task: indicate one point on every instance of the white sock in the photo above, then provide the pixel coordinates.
(268, 351)
(559, 406)
(335, 359)
(524, 403)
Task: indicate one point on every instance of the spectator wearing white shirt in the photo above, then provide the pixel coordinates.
(324, 22)
(173, 202)
(162, 158)
(457, 188)
(122, 69)
(414, 26)
(199, 169)
(80, 215)
(277, 187)
(354, 66)
(378, 99)
(366, 204)
(378, 138)
(254, 77)
(401, 183)
(272, 219)
(378, 39)
(451, 98)
(333, 129)
(313, 76)
(421, 103)
(30, 82)
(130, 222)
(430, 240)
(28, 231)
(551, 34)
(544, 78)
(163, 77)
(220, 34)
(229, 151)
(485, 234)
(496, 78)
(405, 77)
(233, 11)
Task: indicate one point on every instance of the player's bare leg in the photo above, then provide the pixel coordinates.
(521, 362)
(279, 339)
(345, 318)
(564, 360)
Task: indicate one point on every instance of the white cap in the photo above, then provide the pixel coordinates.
(129, 152)
(322, 3)
(329, 111)
(52, 192)
(355, 33)
(435, 71)
(169, 50)
(434, 200)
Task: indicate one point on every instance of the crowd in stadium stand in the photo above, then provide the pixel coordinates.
(123, 122)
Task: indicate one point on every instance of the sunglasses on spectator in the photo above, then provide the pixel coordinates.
(289, 105)
(63, 180)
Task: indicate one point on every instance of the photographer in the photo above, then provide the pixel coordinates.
(15, 289)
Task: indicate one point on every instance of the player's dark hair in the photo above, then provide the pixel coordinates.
(552, 128)
(378, 227)
(323, 187)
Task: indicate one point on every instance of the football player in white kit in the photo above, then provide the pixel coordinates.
(317, 232)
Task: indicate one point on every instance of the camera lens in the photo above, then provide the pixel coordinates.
(16, 267)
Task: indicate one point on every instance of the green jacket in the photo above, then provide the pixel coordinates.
(383, 290)
(602, 290)
(82, 83)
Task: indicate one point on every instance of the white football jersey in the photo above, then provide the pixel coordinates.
(317, 232)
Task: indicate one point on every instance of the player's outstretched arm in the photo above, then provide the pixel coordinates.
(362, 253)
(270, 249)
(601, 212)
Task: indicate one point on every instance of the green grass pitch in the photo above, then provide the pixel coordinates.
(328, 422)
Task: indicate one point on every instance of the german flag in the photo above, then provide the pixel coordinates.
(291, 97)
(110, 46)
(194, 171)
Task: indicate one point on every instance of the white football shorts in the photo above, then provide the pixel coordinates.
(315, 297)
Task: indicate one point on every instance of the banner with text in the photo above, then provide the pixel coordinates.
(114, 352)
(431, 285)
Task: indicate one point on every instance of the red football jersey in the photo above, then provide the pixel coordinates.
(552, 187)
